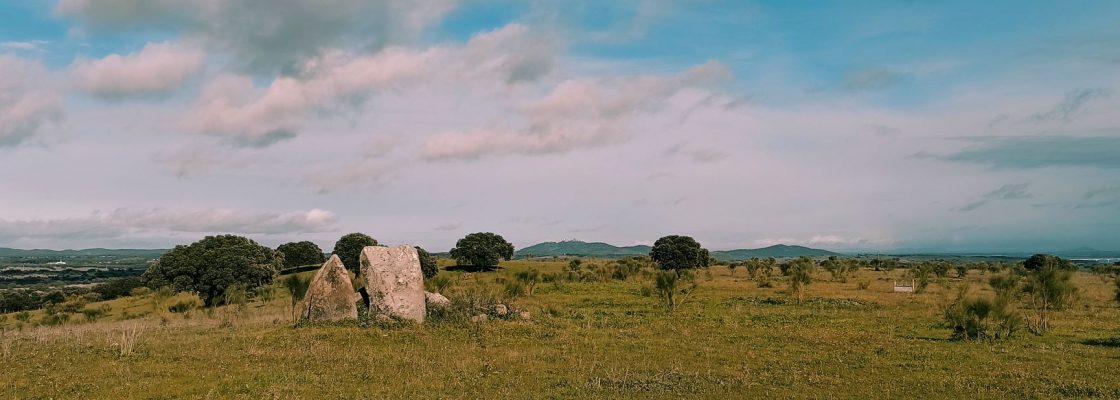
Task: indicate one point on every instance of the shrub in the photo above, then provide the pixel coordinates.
(1049, 286)
(962, 270)
(55, 319)
(236, 295)
(982, 318)
(679, 252)
(301, 253)
(297, 288)
(529, 278)
(93, 314)
(1005, 286)
(514, 289)
(23, 316)
(800, 275)
(839, 269)
(482, 250)
(575, 265)
(438, 283)
(428, 265)
(349, 247)
(214, 264)
(674, 286)
(863, 285)
(73, 304)
(117, 288)
(140, 291)
(183, 306)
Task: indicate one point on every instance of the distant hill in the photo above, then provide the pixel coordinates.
(599, 249)
(146, 253)
(776, 251)
(579, 248)
(1087, 252)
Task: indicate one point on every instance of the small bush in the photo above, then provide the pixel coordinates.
(982, 318)
(185, 305)
(674, 287)
(55, 319)
(23, 316)
(514, 289)
(529, 279)
(863, 285)
(141, 291)
(438, 283)
(94, 314)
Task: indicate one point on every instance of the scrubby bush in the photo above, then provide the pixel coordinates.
(349, 247)
(982, 318)
(679, 252)
(529, 279)
(863, 285)
(438, 283)
(1049, 286)
(214, 264)
(73, 304)
(236, 295)
(575, 265)
(93, 314)
(297, 288)
(183, 306)
(514, 289)
(674, 286)
(116, 288)
(482, 250)
(140, 291)
(800, 273)
(301, 253)
(54, 319)
(428, 265)
(838, 268)
(1005, 286)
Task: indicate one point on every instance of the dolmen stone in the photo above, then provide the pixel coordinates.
(330, 296)
(394, 282)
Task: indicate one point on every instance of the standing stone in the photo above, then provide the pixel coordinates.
(330, 296)
(393, 279)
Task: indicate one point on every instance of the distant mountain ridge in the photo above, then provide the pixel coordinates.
(605, 250)
(149, 253)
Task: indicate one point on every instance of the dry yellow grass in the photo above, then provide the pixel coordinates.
(585, 340)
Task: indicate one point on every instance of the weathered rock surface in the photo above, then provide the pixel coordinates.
(393, 279)
(330, 296)
(501, 310)
(436, 300)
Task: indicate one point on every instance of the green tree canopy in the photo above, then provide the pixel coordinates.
(214, 264)
(482, 249)
(679, 252)
(301, 253)
(349, 247)
(427, 263)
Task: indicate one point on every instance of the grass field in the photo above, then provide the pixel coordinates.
(731, 339)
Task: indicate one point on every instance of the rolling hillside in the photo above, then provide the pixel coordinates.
(599, 249)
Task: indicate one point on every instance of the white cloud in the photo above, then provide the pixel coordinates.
(25, 104)
(106, 225)
(232, 107)
(578, 113)
(157, 69)
(28, 46)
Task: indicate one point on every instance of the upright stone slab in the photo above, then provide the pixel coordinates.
(330, 297)
(393, 279)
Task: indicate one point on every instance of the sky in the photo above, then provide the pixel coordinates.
(844, 125)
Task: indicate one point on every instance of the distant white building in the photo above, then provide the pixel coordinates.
(60, 262)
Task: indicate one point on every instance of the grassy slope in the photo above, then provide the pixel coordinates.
(585, 340)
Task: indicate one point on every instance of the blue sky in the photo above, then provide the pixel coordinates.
(869, 125)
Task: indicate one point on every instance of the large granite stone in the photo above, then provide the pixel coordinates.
(394, 282)
(330, 296)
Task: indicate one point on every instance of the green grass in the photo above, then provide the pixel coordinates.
(584, 340)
